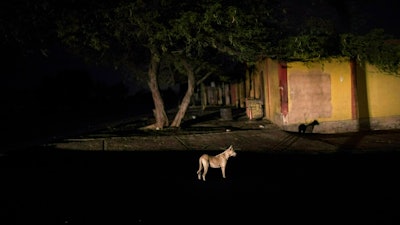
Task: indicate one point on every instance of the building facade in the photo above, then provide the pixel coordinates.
(341, 95)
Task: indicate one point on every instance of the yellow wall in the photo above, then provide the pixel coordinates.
(383, 93)
(339, 72)
(275, 100)
(272, 107)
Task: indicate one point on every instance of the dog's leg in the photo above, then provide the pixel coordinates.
(205, 170)
(223, 171)
(200, 168)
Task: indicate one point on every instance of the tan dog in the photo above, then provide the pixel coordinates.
(218, 161)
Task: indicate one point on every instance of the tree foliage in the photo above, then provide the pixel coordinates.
(316, 40)
(339, 31)
(240, 30)
(285, 30)
(375, 47)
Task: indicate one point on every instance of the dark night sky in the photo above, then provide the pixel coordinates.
(364, 14)
(385, 14)
(26, 73)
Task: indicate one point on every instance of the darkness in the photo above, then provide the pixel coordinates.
(44, 186)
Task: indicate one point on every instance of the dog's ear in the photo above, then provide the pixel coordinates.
(230, 147)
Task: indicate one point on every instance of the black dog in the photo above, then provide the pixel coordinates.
(307, 127)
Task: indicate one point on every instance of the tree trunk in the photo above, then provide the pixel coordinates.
(159, 111)
(186, 99)
(203, 97)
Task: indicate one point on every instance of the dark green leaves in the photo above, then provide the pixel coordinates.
(374, 47)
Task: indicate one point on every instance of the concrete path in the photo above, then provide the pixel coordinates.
(210, 132)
